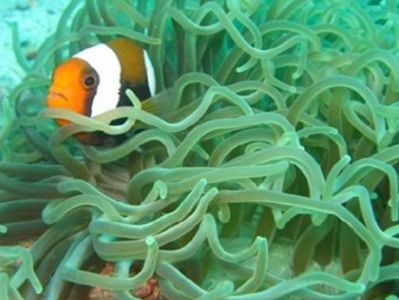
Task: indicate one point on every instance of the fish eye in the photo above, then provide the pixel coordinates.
(89, 81)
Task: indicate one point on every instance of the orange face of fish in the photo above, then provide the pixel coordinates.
(73, 87)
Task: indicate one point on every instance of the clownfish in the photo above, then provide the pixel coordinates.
(95, 79)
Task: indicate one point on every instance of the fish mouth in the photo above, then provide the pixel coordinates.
(56, 95)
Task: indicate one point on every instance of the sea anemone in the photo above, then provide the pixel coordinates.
(273, 176)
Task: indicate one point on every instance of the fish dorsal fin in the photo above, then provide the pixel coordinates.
(131, 58)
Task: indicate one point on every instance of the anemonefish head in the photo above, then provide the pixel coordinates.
(94, 80)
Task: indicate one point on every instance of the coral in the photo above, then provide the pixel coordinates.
(271, 175)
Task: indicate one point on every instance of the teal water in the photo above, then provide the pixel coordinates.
(36, 20)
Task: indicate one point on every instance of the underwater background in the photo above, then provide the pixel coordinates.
(272, 174)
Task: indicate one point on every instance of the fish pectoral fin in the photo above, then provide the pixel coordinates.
(160, 104)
